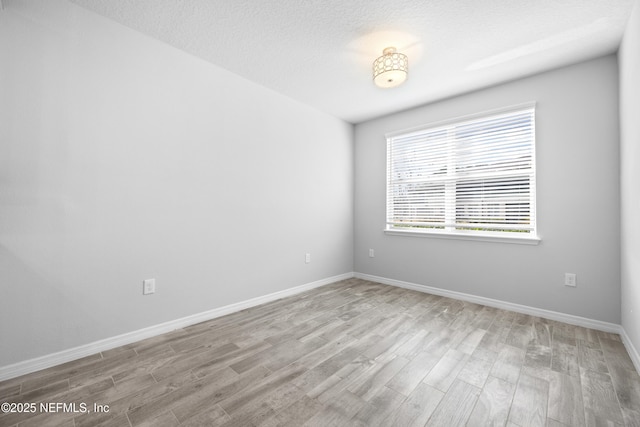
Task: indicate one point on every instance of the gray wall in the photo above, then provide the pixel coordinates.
(577, 196)
(629, 57)
(122, 159)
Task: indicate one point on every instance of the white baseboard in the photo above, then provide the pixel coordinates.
(533, 311)
(49, 360)
(633, 352)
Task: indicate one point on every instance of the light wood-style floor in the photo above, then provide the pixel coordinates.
(351, 353)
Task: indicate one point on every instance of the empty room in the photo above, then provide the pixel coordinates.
(319, 213)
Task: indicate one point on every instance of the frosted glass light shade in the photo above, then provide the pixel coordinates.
(390, 70)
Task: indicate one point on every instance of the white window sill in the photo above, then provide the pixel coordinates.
(528, 240)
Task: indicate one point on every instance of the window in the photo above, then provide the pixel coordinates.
(473, 178)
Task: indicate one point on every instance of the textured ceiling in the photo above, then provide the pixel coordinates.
(320, 51)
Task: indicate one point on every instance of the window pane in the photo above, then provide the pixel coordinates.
(418, 204)
(469, 176)
(484, 202)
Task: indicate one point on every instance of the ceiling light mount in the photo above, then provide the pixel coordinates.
(390, 69)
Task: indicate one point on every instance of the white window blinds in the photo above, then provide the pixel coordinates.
(475, 176)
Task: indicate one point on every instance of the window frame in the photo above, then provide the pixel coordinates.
(530, 238)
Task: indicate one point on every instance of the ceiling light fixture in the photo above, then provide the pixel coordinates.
(390, 70)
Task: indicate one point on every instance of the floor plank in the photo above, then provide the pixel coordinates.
(417, 408)
(530, 401)
(565, 399)
(600, 401)
(492, 408)
(456, 405)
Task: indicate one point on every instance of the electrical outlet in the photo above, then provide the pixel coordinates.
(148, 286)
(570, 279)
(307, 258)
(371, 253)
